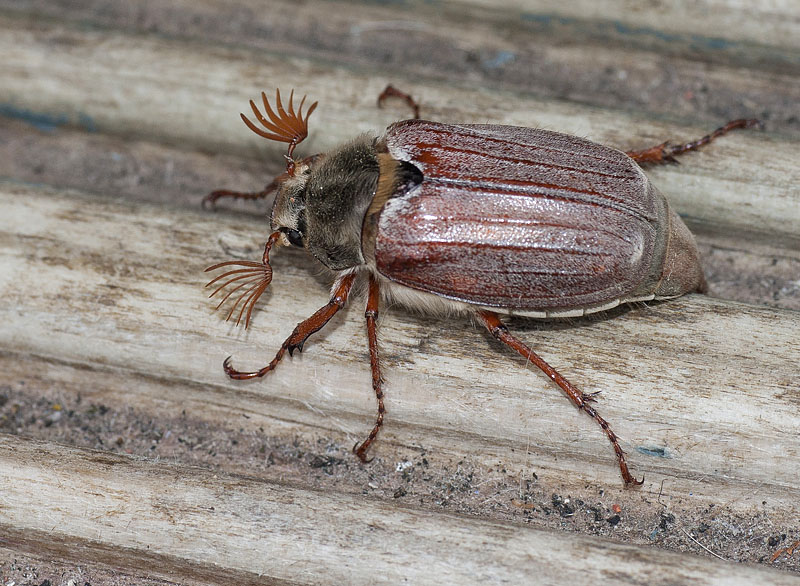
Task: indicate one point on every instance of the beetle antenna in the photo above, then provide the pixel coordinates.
(254, 277)
(283, 126)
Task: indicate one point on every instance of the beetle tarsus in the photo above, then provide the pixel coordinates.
(301, 332)
(298, 346)
(581, 400)
(360, 450)
(666, 153)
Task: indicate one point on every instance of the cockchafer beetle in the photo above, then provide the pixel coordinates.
(470, 218)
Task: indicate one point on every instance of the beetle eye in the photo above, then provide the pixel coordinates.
(294, 237)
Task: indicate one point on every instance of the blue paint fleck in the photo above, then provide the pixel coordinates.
(87, 122)
(657, 451)
(713, 42)
(540, 18)
(45, 121)
(627, 30)
(499, 60)
(42, 121)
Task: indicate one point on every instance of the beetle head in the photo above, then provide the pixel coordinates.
(289, 208)
(250, 279)
(286, 125)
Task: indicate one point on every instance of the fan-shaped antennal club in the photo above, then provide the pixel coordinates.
(288, 126)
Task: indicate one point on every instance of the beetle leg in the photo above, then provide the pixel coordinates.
(666, 153)
(377, 382)
(496, 327)
(302, 331)
(393, 92)
(210, 201)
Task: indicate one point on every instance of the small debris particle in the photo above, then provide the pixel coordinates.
(324, 462)
(789, 551)
(562, 505)
(614, 521)
(404, 465)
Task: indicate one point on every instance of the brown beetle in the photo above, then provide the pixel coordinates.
(476, 219)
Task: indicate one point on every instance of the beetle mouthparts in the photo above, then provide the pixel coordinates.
(254, 277)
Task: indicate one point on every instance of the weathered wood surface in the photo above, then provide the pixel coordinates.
(159, 95)
(189, 523)
(716, 59)
(709, 386)
(103, 308)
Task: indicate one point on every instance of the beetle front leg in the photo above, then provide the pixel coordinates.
(210, 201)
(496, 327)
(302, 331)
(666, 153)
(377, 382)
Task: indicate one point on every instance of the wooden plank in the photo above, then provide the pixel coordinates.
(123, 324)
(745, 183)
(680, 60)
(774, 23)
(736, 268)
(77, 294)
(195, 522)
(766, 24)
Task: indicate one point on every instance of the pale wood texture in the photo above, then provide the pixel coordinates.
(159, 95)
(130, 313)
(109, 104)
(241, 525)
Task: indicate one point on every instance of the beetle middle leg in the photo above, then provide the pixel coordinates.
(666, 153)
(393, 92)
(377, 382)
(496, 327)
(302, 331)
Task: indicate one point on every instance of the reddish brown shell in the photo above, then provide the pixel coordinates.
(521, 218)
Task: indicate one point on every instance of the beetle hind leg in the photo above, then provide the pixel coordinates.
(666, 153)
(581, 400)
(302, 331)
(371, 314)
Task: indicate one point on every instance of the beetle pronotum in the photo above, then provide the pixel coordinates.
(478, 219)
